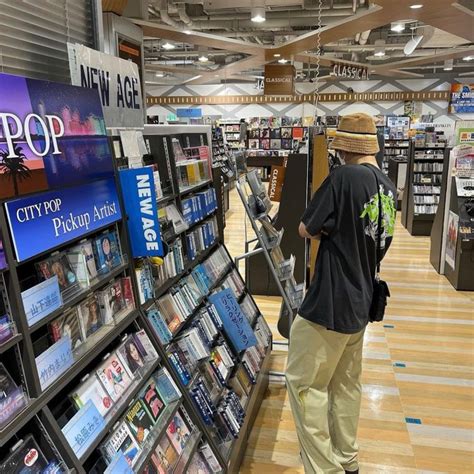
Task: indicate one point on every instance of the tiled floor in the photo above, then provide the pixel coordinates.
(418, 381)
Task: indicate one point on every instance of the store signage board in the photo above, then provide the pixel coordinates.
(349, 71)
(54, 361)
(117, 80)
(41, 300)
(142, 211)
(235, 323)
(51, 135)
(41, 222)
(462, 99)
(279, 79)
(189, 113)
(83, 428)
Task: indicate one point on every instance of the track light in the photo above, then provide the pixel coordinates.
(168, 46)
(448, 65)
(258, 14)
(397, 27)
(379, 48)
(412, 44)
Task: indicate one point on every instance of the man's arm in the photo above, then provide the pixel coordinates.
(305, 234)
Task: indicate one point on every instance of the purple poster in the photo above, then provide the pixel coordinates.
(51, 135)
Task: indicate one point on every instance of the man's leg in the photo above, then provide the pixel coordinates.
(344, 403)
(313, 355)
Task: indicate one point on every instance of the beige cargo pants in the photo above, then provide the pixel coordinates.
(323, 381)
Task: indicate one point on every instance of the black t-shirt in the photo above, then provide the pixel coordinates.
(345, 208)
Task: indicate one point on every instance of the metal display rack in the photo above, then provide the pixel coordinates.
(290, 301)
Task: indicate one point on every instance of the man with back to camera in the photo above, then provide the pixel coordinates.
(326, 338)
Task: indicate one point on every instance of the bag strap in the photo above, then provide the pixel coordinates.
(379, 223)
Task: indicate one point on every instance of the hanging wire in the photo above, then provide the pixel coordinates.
(318, 60)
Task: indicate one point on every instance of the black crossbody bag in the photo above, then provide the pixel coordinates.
(381, 291)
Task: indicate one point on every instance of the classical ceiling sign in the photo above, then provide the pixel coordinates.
(279, 79)
(348, 71)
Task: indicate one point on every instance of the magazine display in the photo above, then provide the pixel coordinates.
(114, 377)
(139, 421)
(90, 316)
(178, 433)
(107, 252)
(122, 441)
(151, 399)
(68, 324)
(167, 455)
(130, 355)
(92, 389)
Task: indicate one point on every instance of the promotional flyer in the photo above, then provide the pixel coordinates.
(462, 99)
(51, 135)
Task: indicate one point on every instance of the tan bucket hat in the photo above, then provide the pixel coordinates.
(356, 133)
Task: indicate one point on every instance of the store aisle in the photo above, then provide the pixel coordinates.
(418, 380)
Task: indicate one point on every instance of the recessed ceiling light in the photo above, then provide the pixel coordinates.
(159, 74)
(216, 75)
(203, 58)
(397, 27)
(448, 65)
(258, 14)
(416, 6)
(468, 58)
(276, 55)
(168, 46)
(187, 32)
(283, 61)
(379, 54)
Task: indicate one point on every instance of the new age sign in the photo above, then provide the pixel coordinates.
(44, 221)
(139, 193)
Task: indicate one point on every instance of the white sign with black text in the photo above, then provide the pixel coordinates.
(117, 81)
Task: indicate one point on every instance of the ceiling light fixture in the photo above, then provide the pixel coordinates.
(412, 44)
(283, 61)
(276, 55)
(168, 46)
(397, 27)
(448, 65)
(416, 6)
(379, 48)
(187, 32)
(203, 58)
(468, 58)
(258, 15)
(159, 74)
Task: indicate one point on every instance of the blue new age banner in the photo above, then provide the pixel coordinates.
(234, 321)
(44, 221)
(138, 190)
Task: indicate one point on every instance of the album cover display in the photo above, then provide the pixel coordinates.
(166, 387)
(92, 389)
(26, 458)
(123, 441)
(130, 355)
(139, 422)
(12, 397)
(90, 316)
(178, 433)
(198, 465)
(107, 252)
(58, 265)
(167, 455)
(67, 325)
(111, 301)
(86, 249)
(151, 399)
(114, 377)
(145, 346)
